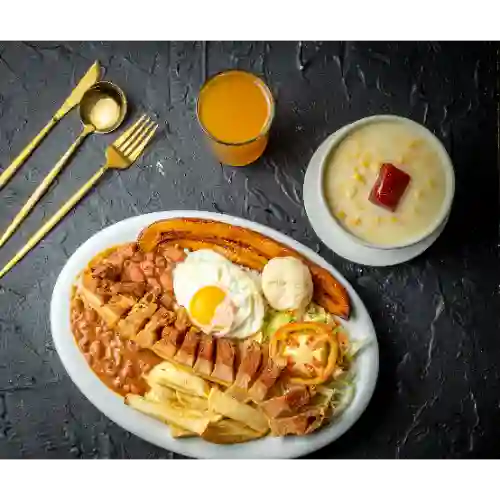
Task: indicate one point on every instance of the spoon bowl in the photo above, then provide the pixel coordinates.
(103, 107)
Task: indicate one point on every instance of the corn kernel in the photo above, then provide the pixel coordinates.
(394, 219)
(366, 158)
(356, 221)
(351, 192)
(431, 183)
(358, 178)
(341, 214)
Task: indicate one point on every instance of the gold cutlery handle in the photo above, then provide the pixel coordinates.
(42, 188)
(23, 155)
(39, 235)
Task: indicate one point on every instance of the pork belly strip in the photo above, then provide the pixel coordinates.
(286, 405)
(266, 379)
(225, 354)
(298, 425)
(186, 355)
(247, 371)
(331, 294)
(205, 362)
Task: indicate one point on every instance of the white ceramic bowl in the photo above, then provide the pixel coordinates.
(111, 404)
(446, 163)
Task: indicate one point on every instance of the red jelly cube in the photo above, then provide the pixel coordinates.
(389, 187)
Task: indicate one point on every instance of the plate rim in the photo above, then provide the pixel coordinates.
(157, 433)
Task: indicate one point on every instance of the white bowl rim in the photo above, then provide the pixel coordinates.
(446, 162)
(111, 404)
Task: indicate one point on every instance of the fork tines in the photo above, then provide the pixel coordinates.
(135, 139)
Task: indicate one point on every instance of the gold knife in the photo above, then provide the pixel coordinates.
(91, 77)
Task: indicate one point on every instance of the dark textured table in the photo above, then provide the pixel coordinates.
(436, 317)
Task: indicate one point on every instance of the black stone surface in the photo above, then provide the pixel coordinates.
(436, 317)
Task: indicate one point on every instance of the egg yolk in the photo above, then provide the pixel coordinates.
(204, 304)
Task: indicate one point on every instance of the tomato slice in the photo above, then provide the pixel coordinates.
(310, 349)
(389, 187)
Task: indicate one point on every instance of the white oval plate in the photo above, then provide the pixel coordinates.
(111, 404)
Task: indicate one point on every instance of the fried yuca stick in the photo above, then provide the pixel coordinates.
(169, 375)
(229, 431)
(193, 402)
(223, 404)
(179, 432)
(191, 420)
(160, 394)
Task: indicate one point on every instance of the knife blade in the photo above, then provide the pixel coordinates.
(89, 79)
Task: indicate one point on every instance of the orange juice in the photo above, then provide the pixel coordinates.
(235, 109)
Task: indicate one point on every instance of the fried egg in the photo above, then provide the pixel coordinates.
(219, 296)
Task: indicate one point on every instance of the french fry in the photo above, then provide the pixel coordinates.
(191, 420)
(169, 375)
(229, 431)
(221, 403)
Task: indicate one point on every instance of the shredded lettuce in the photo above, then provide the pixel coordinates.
(355, 347)
(344, 386)
(344, 389)
(275, 320)
(318, 314)
(342, 399)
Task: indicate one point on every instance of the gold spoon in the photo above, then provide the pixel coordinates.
(102, 110)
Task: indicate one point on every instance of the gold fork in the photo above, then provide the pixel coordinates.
(121, 154)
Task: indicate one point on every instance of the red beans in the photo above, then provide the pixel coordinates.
(83, 343)
(120, 363)
(109, 368)
(96, 349)
(117, 357)
(134, 389)
(83, 326)
(127, 370)
(89, 315)
(109, 352)
(117, 383)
